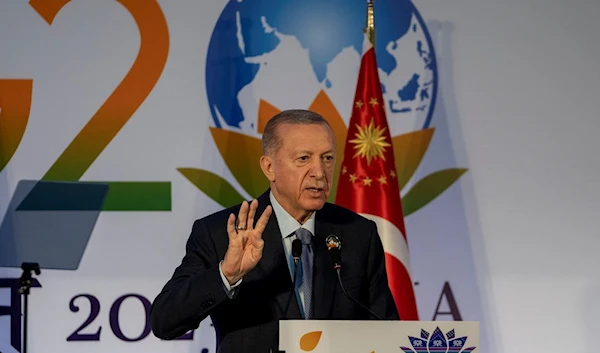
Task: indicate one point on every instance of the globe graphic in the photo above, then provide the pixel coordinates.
(286, 52)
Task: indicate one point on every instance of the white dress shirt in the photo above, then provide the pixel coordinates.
(288, 226)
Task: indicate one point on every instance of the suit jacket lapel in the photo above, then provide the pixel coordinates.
(325, 277)
(273, 266)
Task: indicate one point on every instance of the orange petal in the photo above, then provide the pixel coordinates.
(265, 112)
(323, 106)
(242, 155)
(48, 9)
(409, 150)
(309, 341)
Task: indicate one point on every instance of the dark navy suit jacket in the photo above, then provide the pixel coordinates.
(249, 322)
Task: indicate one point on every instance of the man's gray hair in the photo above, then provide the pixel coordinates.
(272, 142)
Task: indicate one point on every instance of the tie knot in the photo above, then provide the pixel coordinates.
(304, 235)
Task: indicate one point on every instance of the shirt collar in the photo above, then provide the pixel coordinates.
(287, 223)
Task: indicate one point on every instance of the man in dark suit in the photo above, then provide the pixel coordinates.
(239, 270)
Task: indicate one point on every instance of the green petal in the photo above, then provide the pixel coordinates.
(213, 186)
(428, 188)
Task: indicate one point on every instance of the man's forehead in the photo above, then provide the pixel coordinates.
(311, 148)
(295, 130)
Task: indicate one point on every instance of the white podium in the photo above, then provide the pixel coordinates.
(324, 336)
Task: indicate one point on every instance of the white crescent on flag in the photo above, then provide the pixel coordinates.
(394, 242)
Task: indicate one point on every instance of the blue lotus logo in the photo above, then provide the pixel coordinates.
(437, 343)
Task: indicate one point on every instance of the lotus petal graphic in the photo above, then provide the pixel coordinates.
(241, 154)
(437, 343)
(309, 341)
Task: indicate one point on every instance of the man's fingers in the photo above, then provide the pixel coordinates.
(251, 213)
(231, 224)
(261, 224)
(242, 216)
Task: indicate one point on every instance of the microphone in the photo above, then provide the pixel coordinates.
(296, 254)
(334, 245)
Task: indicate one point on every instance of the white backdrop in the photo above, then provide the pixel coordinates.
(521, 80)
(513, 237)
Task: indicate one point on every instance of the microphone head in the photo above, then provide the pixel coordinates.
(334, 245)
(296, 248)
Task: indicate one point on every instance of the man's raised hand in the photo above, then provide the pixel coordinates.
(245, 241)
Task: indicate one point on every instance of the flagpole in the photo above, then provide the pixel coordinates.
(370, 27)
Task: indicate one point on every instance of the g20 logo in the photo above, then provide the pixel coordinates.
(105, 124)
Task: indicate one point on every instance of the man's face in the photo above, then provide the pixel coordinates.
(301, 170)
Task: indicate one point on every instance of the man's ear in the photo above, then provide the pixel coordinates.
(266, 164)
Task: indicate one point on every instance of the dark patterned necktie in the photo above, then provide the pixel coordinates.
(307, 269)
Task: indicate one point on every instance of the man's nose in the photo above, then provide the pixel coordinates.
(318, 169)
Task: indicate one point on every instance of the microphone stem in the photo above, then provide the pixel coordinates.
(354, 300)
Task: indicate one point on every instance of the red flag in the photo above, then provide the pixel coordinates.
(368, 182)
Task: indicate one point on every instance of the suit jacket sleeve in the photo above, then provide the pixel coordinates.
(195, 288)
(381, 300)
